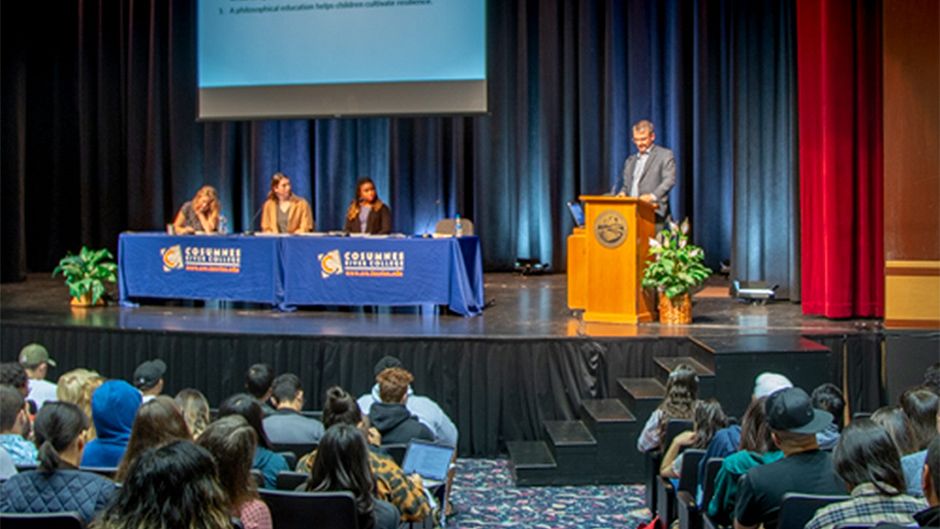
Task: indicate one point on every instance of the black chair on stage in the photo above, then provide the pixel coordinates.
(798, 509)
(688, 480)
(654, 457)
(311, 510)
(297, 450)
(396, 451)
(690, 515)
(291, 480)
(57, 520)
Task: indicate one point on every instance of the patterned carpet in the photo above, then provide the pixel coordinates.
(484, 496)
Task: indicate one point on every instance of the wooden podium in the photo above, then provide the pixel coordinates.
(607, 257)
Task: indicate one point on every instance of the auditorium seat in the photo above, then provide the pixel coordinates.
(57, 520)
(798, 509)
(396, 451)
(653, 459)
(297, 450)
(287, 480)
(107, 472)
(688, 512)
(666, 494)
(311, 510)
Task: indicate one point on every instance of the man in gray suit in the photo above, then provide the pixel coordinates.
(650, 173)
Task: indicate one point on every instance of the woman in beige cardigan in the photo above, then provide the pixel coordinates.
(283, 211)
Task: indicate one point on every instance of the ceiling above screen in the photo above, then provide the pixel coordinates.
(262, 59)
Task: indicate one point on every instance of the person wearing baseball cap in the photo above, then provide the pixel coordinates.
(148, 378)
(36, 362)
(805, 468)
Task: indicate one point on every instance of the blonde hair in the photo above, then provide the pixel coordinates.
(77, 387)
(214, 206)
(195, 409)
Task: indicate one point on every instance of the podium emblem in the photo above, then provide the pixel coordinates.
(610, 228)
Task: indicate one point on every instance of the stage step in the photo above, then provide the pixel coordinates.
(574, 449)
(531, 463)
(615, 428)
(569, 434)
(641, 395)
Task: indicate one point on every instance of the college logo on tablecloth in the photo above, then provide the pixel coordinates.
(201, 259)
(361, 264)
(330, 264)
(172, 258)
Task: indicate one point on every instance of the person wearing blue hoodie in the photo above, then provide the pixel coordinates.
(113, 408)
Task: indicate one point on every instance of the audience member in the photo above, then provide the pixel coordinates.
(175, 485)
(681, 393)
(148, 378)
(342, 463)
(805, 468)
(768, 383)
(158, 422)
(12, 374)
(930, 517)
(36, 362)
(707, 419)
(892, 419)
(113, 408)
(921, 407)
(932, 378)
(195, 409)
(287, 425)
(77, 386)
(828, 397)
(266, 461)
(7, 466)
(232, 441)
(426, 410)
(57, 485)
(14, 419)
(258, 381)
(406, 493)
(757, 448)
(868, 462)
(390, 416)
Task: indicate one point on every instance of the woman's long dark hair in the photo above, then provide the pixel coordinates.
(56, 427)
(231, 440)
(343, 464)
(865, 453)
(248, 407)
(158, 421)
(175, 485)
(893, 419)
(920, 407)
(353, 210)
(276, 179)
(755, 432)
(707, 419)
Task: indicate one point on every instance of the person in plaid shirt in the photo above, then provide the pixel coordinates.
(404, 492)
(867, 461)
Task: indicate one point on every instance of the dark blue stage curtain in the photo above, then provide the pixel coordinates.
(100, 134)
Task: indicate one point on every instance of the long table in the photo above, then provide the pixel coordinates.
(289, 271)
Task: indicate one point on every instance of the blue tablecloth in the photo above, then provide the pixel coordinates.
(300, 270)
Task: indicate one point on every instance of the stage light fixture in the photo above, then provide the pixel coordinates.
(528, 267)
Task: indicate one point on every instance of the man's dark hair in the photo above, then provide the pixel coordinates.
(920, 406)
(285, 387)
(13, 374)
(258, 380)
(932, 378)
(933, 463)
(828, 397)
(866, 454)
(11, 402)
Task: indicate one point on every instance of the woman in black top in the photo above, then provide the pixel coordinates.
(367, 213)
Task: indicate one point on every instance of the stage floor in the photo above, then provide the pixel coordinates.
(520, 307)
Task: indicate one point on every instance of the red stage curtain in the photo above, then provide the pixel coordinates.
(840, 146)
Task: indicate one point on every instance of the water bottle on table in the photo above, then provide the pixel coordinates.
(223, 225)
(458, 226)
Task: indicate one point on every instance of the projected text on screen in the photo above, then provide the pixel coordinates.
(245, 43)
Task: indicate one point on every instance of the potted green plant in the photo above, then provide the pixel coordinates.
(85, 275)
(676, 266)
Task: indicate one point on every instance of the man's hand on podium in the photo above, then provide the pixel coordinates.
(649, 197)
